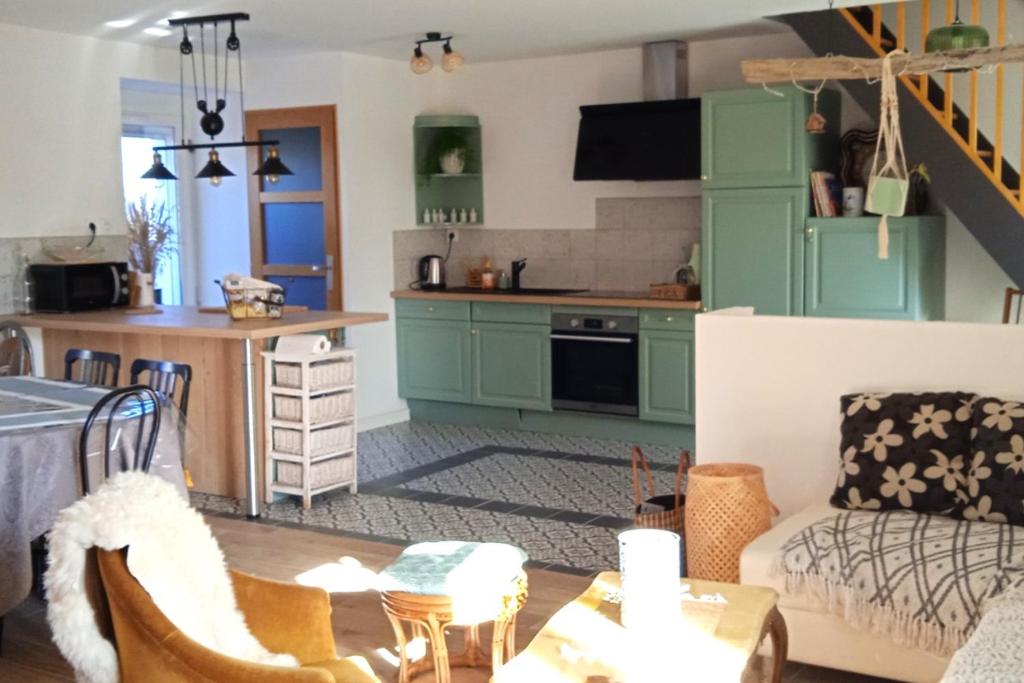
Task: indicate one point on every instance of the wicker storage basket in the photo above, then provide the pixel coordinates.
(321, 408)
(321, 441)
(323, 375)
(727, 507)
(323, 473)
(648, 515)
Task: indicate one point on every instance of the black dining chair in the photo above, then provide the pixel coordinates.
(15, 350)
(138, 405)
(164, 376)
(92, 367)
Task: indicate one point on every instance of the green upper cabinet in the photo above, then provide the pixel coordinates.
(434, 359)
(845, 277)
(512, 365)
(433, 136)
(753, 249)
(755, 138)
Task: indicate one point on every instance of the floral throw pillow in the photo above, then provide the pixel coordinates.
(994, 476)
(903, 451)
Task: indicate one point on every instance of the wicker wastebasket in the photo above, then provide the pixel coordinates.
(726, 508)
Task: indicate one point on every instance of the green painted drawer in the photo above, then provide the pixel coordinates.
(670, 320)
(491, 312)
(433, 310)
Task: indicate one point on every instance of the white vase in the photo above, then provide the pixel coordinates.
(143, 290)
(453, 161)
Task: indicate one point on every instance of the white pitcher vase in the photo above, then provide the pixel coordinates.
(453, 162)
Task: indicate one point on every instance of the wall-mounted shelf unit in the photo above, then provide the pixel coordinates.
(432, 136)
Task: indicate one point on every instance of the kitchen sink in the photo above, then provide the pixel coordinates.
(523, 291)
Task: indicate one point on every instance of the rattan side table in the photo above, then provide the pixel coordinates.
(422, 598)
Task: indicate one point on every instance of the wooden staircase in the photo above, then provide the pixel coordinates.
(970, 172)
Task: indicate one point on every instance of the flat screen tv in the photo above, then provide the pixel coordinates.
(639, 141)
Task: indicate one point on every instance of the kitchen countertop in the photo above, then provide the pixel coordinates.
(584, 298)
(190, 321)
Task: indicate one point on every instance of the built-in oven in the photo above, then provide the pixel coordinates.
(594, 363)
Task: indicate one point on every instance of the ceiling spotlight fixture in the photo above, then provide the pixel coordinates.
(452, 60)
(211, 122)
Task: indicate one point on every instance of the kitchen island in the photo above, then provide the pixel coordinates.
(225, 409)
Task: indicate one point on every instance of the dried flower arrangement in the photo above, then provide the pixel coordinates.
(150, 234)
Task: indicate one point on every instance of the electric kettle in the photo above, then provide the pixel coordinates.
(431, 272)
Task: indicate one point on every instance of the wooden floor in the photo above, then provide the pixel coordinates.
(360, 627)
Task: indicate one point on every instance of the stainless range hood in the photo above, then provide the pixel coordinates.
(657, 139)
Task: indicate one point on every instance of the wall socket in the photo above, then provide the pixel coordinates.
(453, 235)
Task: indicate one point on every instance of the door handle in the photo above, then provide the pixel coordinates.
(608, 340)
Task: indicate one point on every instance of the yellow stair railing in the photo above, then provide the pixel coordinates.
(989, 161)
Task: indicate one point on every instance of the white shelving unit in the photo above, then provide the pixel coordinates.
(310, 423)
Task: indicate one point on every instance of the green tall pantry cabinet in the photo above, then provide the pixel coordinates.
(756, 163)
(763, 249)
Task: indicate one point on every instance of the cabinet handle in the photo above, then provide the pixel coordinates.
(430, 309)
(472, 331)
(668, 318)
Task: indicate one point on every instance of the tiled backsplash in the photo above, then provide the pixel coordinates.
(13, 251)
(637, 241)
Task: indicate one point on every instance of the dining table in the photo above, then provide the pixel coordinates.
(41, 422)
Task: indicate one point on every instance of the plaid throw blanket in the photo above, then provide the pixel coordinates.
(922, 580)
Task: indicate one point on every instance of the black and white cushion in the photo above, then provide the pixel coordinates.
(993, 488)
(903, 451)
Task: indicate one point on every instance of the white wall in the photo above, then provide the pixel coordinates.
(61, 123)
(529, 113)
(768, 388)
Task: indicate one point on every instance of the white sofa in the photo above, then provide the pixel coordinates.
(816, 636)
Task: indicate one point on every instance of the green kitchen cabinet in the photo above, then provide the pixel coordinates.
(666, 376)
(511, 365)
(754, 249)
(755, 138)
(434, 359)
(845, 278)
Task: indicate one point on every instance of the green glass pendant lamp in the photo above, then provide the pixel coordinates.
(956, 36)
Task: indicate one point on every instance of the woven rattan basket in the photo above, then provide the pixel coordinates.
(726, 508)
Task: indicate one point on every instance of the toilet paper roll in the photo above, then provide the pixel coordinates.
(302, 344)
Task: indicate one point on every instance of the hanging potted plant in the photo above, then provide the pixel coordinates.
(150, 239)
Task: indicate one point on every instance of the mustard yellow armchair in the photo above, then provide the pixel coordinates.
(285, 618)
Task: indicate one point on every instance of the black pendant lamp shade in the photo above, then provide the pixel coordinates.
(158, 171)
(272, 167)
(214, 168)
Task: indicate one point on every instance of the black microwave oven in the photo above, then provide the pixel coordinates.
(70, 287)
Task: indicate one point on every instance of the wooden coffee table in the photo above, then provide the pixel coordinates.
(584, 642)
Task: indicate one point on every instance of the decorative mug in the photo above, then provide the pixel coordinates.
(853, 202)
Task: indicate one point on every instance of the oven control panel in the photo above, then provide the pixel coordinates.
(597, 323)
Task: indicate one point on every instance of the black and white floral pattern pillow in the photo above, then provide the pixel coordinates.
(993, 489)
(903, 451)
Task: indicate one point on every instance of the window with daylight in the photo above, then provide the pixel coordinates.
(137, 144)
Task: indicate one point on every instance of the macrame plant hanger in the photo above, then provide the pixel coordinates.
(889, 182)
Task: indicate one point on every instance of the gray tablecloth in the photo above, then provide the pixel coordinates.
(39, 476)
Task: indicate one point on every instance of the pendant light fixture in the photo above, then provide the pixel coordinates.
(212, 122)
(956, 36)
(451, 60)
(273, 168)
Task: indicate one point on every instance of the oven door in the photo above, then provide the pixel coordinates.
(594, 372)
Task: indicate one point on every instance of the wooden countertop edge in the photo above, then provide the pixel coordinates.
(158, 326)
(556, 300)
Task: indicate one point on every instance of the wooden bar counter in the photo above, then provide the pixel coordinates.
(226, 431)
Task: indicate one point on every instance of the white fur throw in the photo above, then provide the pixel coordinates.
(171, 552)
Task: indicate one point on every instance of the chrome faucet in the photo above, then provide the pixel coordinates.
(517, 268)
